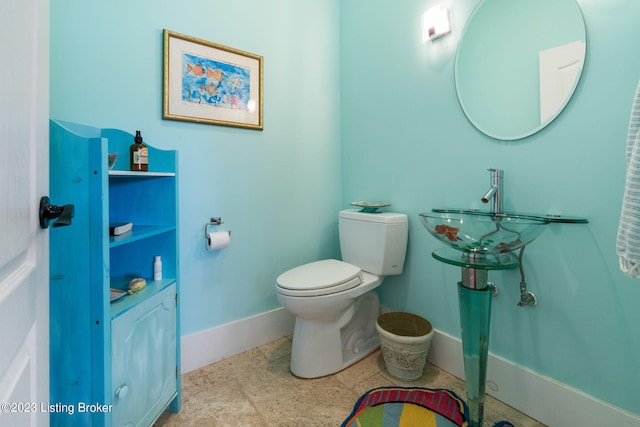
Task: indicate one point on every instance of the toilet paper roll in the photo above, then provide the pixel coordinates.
(217, 240)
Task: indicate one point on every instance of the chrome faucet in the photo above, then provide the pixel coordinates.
(495, 192)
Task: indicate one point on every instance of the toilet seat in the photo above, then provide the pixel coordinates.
(317, 278)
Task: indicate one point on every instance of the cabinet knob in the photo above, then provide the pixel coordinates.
(122, 391)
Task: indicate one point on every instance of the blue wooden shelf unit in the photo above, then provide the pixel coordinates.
(123, 357)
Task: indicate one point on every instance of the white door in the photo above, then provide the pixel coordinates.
(24, 247)
(560, 68)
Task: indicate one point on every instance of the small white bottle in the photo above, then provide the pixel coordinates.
(157, 268)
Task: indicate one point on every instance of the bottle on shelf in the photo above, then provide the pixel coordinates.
(157, 268)
(139, 154)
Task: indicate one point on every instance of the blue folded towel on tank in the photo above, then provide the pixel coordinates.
(628, 239)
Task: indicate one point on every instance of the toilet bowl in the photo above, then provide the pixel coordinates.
(328, 336)
(333, 301)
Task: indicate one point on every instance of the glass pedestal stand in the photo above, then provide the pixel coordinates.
(474, 298)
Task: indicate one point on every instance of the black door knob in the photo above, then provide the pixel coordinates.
(59, 215)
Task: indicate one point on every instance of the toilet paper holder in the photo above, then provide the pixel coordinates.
(214, 221)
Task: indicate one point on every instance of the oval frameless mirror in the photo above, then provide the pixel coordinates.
(518, 63)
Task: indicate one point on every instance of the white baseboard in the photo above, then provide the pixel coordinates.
(542, 398)
(203, 348)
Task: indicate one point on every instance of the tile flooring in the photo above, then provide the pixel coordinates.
(256, 389)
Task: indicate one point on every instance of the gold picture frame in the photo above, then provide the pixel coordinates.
(205, 82)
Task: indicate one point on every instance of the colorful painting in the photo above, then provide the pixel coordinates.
(212, 82)
(209, 83)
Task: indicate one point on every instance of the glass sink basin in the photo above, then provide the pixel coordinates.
(482, 232)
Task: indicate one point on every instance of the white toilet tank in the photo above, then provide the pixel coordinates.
(375, 242)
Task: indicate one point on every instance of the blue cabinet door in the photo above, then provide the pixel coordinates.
(143, 357)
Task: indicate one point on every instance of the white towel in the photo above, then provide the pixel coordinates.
(628, 240)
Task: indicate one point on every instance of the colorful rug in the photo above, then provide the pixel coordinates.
(410, 407)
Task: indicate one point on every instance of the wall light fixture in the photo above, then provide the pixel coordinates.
(435, 23)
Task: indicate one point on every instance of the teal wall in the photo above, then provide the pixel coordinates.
(406, 140)
(357, 108)
(277, 190)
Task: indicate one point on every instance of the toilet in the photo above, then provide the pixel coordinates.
(333, 301)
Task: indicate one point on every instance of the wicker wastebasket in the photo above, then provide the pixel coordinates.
(405, 339)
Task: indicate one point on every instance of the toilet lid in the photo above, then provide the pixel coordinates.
(319, 278)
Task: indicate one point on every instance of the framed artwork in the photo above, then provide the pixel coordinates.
(205, 82)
